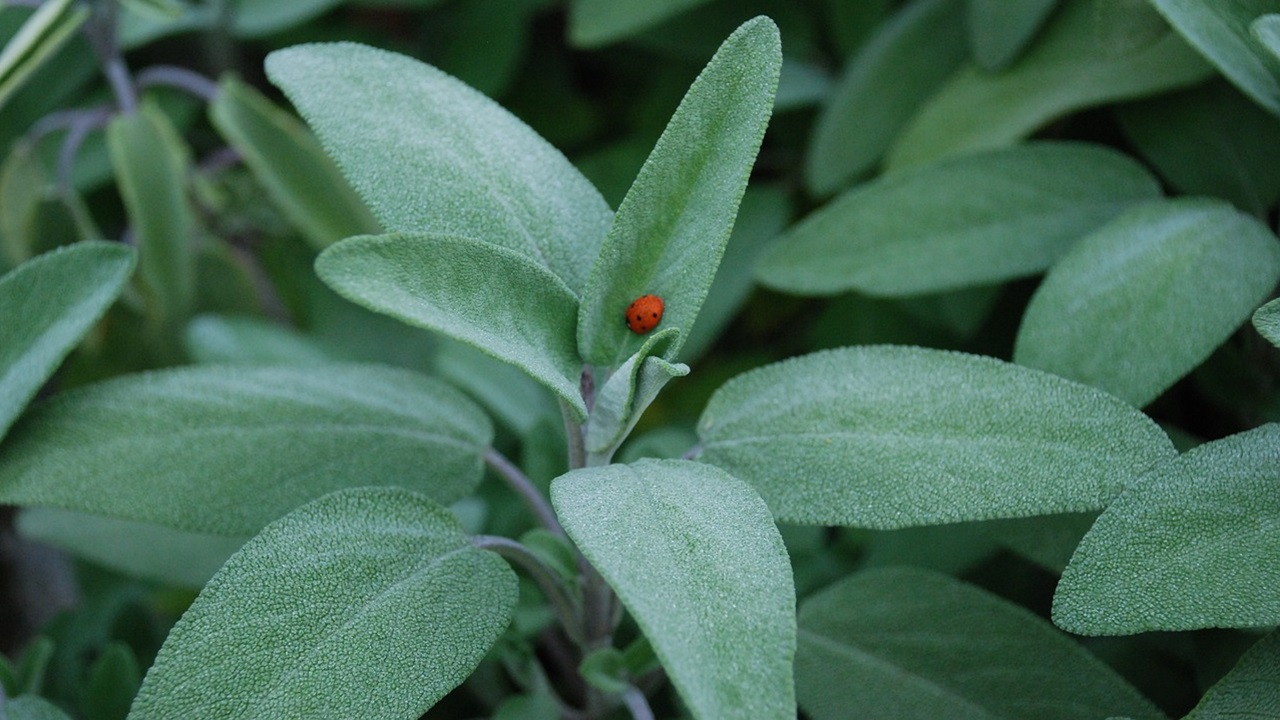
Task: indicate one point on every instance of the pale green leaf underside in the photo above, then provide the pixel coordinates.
(599, 22)
(889, 437)
(908, 644)
(367, 603)
(671, 228)
(1250, 689)
(881, 87)
(227, 449)
(484, 295)
(973, 220)
(430, 154)
(1192, 545)
(1000, 30)
(1267, 321)
(1220, 31)
(1064, 71)
(1145, 299)
(48, 304)
(695, 557)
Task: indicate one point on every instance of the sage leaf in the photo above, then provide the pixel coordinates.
(212, 339)
(908, 643)
(33, 707)
(1061, 73)
(49, 303)
(593, 23)
(1266, 320)
(1249, 690)
(1146, 298)
(1000, 31)
(671, 228)
(42, 34)
(626, 394)
(685, 545)
(963, 222)
(367, 602)
(1266, 29)
(484, 295)
(880, 89)
(1220, 31)
(888, 437)
(1189, 546)
(429, 154)
(185, 447)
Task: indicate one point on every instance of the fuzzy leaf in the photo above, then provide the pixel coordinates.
(32, 707)
(1267, 321)
(671, 228)
(593, 23)
(484, 295)
(429, 154)
(881, 87)
(999, 31)
(695, 557)
(1191, 545)
(49, 303)
(889, 437)
(366, 603)
(907, 643)
(1145, 299)
(964, 222)
(229, 449)
(1250, 689)
(1063, 72)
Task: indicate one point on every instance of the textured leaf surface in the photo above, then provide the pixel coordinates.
(366, 603)
(429, 154)
(1267, 321)
(1145, 299)
(695, 557)
(1061, 73)
(999, 30)
(1250, 689)
(292, 167)
(598, 22)
(974, 220)
(1191, 545)
(48, 304)
(889, 437)
(907, 643)
(881, 87)
(1220, 31)
(229, 449)
(486, 296)
(671, 228)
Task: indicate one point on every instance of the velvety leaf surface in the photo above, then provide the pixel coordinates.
(1145, 299)
(888, 437)
(999, 30)
(1061, 73)
(48, 304)
(973, 220)
(1267, 321)
(1250, 689)
(292, 167)
(367, 603)
(186, 447)
(599, 22)
(696, 558)
(429, 154)
(906, 643)
(484, 295)
(881, 87)
(671, 228)
(1220, 31)
(1191, 545)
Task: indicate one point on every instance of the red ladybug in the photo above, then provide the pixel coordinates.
(644, 313)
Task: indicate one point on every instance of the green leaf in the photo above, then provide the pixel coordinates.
(482, 294)
(881, 87)
(999, 31)
(113, 681)
(49, 303)
(1266, 30)
(888, 437)
(1189, 546)
(367, 602)
(429, 154)
(908, 643)
(695, 557)
(41, 35)
(1267, 321)
(31, 707)
(511, 396)
(1220, 31)
(593, 23)
(292, 167)
(1063, 72)
(625, 395)
(671, 228)
(1250, 689)
(1145, 299)
(22, 192)
(968, 221)
(1210, 140)
(1047, 540)
(229, 449)
(228, 339)
(151, 162)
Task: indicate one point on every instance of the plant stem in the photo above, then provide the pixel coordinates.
(637, 704)
(546, 578)
(101, 32)
(525, 488)
(573, 431)
(180, 78)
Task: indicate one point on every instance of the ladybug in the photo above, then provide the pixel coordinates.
(644, 313)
